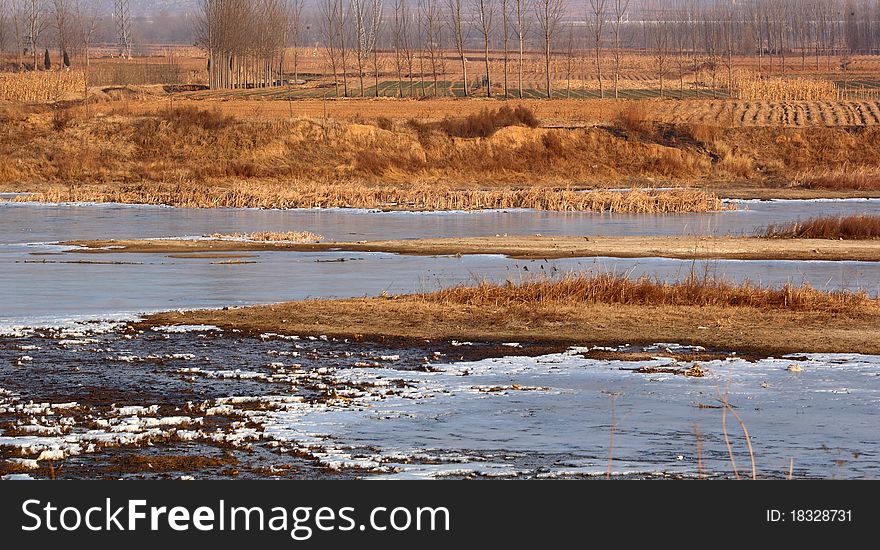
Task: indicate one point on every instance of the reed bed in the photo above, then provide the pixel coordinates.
(862, 227)
(273, 237)
(856, 179)
(416, 197)
(41, 86)
(696, 290)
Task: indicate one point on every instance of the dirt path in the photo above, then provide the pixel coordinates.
(687, 248)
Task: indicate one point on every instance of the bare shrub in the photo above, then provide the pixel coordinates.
(485, 123)
(189, 116)
(634, 119)
(385, 123)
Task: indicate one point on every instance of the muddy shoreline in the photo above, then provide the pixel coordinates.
(528, 248)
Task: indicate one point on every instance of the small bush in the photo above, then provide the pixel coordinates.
(485, 123)
(634, 119)
(188, 116)
(61, 119)
(384, 123)
(703, 133)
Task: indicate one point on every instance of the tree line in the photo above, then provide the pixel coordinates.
(427, 39)
(487, 44)
(29, 29)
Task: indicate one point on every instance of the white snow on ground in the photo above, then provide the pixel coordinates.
(548, 416)
(180, 329)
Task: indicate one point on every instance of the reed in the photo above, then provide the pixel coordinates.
(859, 227)
(425, 197)
(853, 179)
(695, 290)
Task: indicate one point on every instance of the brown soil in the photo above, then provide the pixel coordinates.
(688, 248)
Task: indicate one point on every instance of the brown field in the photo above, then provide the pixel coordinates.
(686, 248)
(605, 310)
(563, 113)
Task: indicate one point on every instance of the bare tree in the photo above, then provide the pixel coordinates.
(61, 16)
(329, 20)
(342, 23)
(35, 24)
(596, 23)
(460, 26)
(432, 18)
(521, 29)
(244, 41)
(621, 9)
(376, 17)
(87, 15)
(505, 42)
(400, 35)
(569, 56)
(4, 24)
(484, 12)
(295, 32)
(549, 14)
(661, 44)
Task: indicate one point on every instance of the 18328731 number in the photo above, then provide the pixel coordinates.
(821, 516)
(810, 515)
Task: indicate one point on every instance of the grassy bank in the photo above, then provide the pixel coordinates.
(603, 310)
(491, 159)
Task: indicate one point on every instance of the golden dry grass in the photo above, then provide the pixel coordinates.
(414, 197)
(859, 227)
(696, 290)
(856, 179)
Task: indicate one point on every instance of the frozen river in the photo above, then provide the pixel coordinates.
(202, 403)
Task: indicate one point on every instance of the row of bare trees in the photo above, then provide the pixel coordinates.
(245, 41)
(690, 35)
(29, 28)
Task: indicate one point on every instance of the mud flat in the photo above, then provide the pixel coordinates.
(685, 248)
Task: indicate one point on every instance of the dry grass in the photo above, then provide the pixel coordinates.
(416, 197)
(863, 227)
(207, 157)
(41, 86)
(696, 290)
(858, 179)
(634, 118)
(487, 122)
(273, 237)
